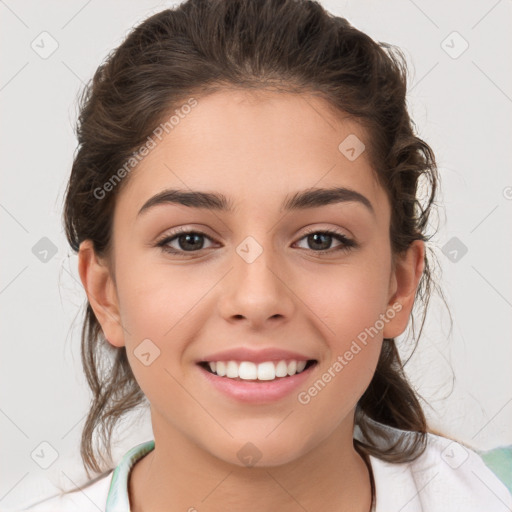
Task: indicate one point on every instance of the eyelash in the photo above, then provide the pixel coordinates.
(346, 246)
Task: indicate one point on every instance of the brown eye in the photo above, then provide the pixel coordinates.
(184, 241)
(321, 241)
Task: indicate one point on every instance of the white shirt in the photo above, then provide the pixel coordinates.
(447, 477)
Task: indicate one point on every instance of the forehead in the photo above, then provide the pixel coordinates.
(255, 147)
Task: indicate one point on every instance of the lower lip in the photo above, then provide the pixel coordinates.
(257, 391)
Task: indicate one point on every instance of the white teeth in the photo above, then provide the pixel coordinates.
(266, 371)
(281, 369)
(248, 370)
(292, 367)
(221, 369)
(232, 370)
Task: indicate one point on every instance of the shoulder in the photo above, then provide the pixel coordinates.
(447, 476)
(90, 497)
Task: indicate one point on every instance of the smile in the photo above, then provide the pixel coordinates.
(264, 371)
(257, 383)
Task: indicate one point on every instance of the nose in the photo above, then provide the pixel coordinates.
(257, 290)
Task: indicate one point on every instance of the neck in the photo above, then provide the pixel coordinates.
(179, 475)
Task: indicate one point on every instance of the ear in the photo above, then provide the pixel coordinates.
(405, 278)
(101, 292)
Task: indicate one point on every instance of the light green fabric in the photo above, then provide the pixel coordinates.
(499, 460)
(117, 499)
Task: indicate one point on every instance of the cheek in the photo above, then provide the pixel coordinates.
(347, 301)
(160, 307)
(351, 324)
(154, 298)
(349, 304)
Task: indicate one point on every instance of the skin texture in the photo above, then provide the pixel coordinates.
(255, 148)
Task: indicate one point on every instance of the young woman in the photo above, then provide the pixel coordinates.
(245, 205)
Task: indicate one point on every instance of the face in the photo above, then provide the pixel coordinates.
(262, 280)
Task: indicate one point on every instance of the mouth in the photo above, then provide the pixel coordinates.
(257, 372)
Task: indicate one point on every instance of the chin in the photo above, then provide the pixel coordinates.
(259, 451)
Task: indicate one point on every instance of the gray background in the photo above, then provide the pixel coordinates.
(461, 102)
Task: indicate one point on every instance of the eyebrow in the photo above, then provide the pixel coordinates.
(302, 200)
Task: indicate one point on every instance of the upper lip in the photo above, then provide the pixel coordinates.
(255, 356)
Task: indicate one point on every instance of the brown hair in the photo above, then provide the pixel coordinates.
(288, 45)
